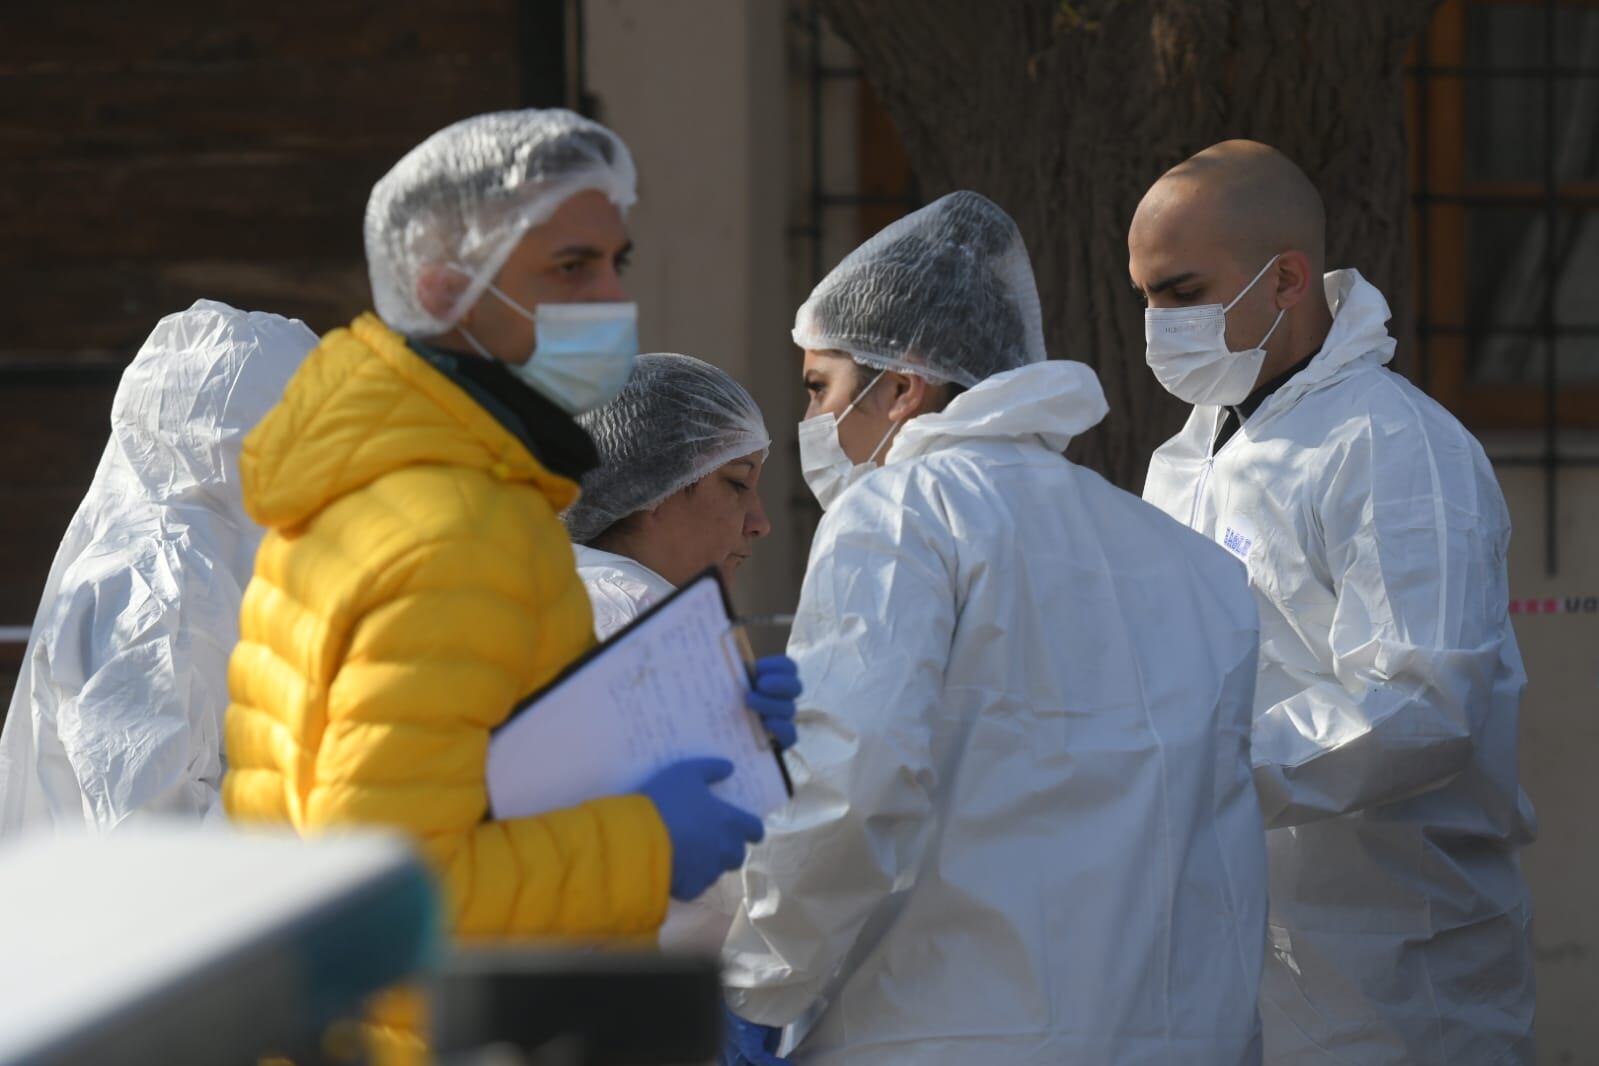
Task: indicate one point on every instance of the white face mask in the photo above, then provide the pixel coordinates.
(827, 468)
(1186, 347)
(584, 353)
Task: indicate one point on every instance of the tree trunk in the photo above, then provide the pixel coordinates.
(1064, 113)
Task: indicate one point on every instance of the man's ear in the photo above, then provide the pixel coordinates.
(439, 289)
(1294, 278)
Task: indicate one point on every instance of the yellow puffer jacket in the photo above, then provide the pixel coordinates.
(414, 584)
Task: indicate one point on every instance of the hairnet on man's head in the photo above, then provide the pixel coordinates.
(946, 292)
(677, 420)
(465, 197)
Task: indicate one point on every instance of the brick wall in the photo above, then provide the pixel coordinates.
(152, 154)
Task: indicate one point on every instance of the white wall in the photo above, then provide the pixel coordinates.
(1560, 754)
(698, 89)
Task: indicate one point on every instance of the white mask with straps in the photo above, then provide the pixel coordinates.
(827, 468)
(1186, 347)
(583, 355)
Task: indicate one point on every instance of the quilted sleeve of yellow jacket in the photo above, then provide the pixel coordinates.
(393, 624)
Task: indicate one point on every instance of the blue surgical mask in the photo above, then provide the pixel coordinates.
(584, 353)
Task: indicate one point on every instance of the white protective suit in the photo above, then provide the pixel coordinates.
(620, 589)
(1385, 725)
(118, 708)
(1024, 829)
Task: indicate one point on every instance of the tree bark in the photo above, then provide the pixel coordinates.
(1064, 113)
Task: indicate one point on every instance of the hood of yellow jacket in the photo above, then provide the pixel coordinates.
(364, 405)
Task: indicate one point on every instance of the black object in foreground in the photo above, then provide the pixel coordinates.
(599, 1008)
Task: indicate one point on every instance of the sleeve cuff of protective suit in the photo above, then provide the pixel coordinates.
(774, 1005)
(1369, 771)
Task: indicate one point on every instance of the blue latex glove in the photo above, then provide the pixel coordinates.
(708, 835)
(749, 1044)
(772, 696)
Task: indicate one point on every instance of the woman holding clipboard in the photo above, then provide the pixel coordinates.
(677, 492)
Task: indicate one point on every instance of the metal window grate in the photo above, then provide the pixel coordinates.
(1546, 197)
(808, 22)
(825, 207)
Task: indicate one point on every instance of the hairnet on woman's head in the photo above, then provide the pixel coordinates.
(677, 420)
(465, 197)
(946, 292)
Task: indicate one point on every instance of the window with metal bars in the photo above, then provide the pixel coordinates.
(1504, 132)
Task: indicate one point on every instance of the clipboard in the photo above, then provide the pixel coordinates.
(669, 685)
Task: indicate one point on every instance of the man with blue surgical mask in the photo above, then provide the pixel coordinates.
(1374, 536)
(416, 582)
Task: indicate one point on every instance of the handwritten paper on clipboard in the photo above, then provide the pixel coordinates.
(670, 686)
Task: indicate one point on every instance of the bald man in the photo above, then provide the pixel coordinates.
(1374, 536)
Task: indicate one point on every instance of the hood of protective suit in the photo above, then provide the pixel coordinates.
(202, 381)
(118, 705)
(1051, 401)
(364, 406)
(1359, 336)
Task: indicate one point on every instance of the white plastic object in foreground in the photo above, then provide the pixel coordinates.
(184, 944)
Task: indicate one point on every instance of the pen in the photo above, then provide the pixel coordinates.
(742, 640)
